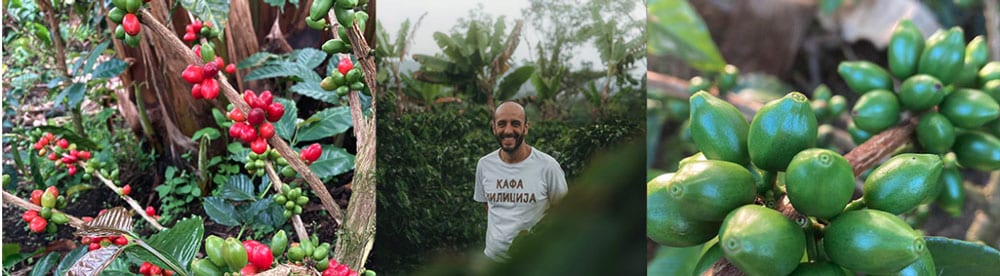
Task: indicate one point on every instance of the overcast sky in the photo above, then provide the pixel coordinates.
(443, 14)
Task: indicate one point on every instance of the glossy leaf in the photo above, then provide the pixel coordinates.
(675, 28)
(178, 244)
(309, 57)
(513, 82)
(957, 257)
(220, 211)
(334, 161)
(326, 123)
(239, 187)
(313, 90)
(215, 11)
(43, 266)
(70, 259)
(110, 68)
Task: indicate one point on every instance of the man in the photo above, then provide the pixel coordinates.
(516, 183)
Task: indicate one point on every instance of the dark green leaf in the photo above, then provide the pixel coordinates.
(676, 29)
(239, 187)
(36, 175)
(95, 261)
(42, 33)
(276, 3)
(313, 90)
(12, 254)
(512, 82)
(273, 70)
(215, 11)
(70, 258)
(73, 94)
(285, 127)
(178, 244)
(92, 58)
(220, 211)
(110, 68)
(255, 60)
(238, 153)
(958, 257)
(328, 122)
(208, 132)
(309, 57)
(334, 161)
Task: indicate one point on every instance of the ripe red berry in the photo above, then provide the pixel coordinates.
(127, 189)
(251, 98)
(236, 129)
(312, 152)
(345, 65)
(259, 146)
(247, 134)
(231, 68)
(150, 211)
(195, 26)
(94, 246)
(39, 145)
(52, 156)
(62, 143)
(38, 224)
(71, 169)
(84, 155)
(275, 111)
(210, 88)
(197, 50)
(266, 130)
(236, 115)
(121, 240)
(193, 74)
(210, 69)
(49, 136)
(256, 116)
(189, 36)
(265, 98)
(248, 270)
(36, 197)
(144, 268)
(52, 190)
(196, 91)
(29, 215)
(131, 24)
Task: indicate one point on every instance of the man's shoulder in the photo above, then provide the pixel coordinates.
(543, 157)
(490, 157)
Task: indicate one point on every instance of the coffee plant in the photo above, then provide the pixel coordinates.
(261, 183)
(773, 195)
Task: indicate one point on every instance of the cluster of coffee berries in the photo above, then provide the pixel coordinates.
(311, 153)
(346, 78)
(50, 200)
(124, 14)
(149, 269)
(202, 77)
(337, 269)
(95, 243)
(252, 128)
(344, 10)
(61, 152)
(196, 28)
(255, 163)
(292, 199)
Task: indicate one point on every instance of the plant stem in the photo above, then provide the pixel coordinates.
(11, 199)
(300, 229)
(131, 202)
(811, 242)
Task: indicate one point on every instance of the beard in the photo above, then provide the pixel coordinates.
(518, 140)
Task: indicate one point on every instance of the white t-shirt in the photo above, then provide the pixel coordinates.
(517, 195)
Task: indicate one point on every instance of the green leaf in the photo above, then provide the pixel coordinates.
(328, 122)
(313, 90)
(276, 3)
(208, 132)
(676, 29)
(110, 68)
(238, 153)
(255, 60)
(220, 211)
(273, 70)
(178, 244)
(73, 94)
(513, 81)
(215, 11)
(70, 258)
(674, 260)
(239, 187)
(309, 57)
(41, 32)
(958, 257)
(11, 251)
(285, 127)
(334, 161)
(92, 58)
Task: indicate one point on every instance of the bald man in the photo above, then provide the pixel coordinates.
(516, 183)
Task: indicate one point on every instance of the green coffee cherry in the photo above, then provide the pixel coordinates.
(728, 77)
(922, 267)
(977, 150)
(278, 243)
(779, 130)
(864, 76)
(969, 108)
(872, 241)
(905, 47)
(920, 92)
(992, 88)
(876, 111)
(213, 248)
(761, 241)
(202, 267)
(903, 182)
(819, 182)
(952, 196)
(820, 268)
(708, 190)
(858, 135)
(719, 129)
(935, 133)
(944, 55)
(664, 223)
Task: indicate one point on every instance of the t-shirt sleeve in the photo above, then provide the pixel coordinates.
(557, 182)
(480, 194)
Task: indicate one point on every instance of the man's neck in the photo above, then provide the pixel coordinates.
(517, 156)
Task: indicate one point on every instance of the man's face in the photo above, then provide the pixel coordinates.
(509, 127)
